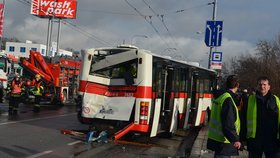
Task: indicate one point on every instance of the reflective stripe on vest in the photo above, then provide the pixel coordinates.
(215, 130)
(252, 116)
(38, 89)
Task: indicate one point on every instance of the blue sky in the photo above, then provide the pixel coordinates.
(113, 22)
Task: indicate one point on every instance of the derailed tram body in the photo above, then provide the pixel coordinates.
(137, 90)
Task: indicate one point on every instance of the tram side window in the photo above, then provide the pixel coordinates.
(207, 86)
(183, 81)
(157, 80)
(199, 86)
(177, 82)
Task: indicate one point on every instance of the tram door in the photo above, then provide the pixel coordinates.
(167, 98)
(163, 102)
(194, 98)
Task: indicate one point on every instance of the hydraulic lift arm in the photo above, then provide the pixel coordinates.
(37, 65)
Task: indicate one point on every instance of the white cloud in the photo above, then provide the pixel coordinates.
(244, 24)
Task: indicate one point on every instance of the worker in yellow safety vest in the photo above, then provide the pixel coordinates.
(262, 121)
(224, 125)
(37, 92)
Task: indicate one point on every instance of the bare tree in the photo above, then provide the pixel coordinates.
(266, 62)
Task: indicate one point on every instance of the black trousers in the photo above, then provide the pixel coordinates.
(36, 107)
(13, 104)
(1, 95)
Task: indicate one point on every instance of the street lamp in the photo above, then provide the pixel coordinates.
(135, 36)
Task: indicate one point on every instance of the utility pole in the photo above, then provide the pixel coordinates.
(58, 36)
(214, 19)
(49, 36)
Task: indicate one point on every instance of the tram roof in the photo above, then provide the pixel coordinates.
(130, 47)
(189, 63)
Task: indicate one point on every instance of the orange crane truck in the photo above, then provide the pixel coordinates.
(59, 74)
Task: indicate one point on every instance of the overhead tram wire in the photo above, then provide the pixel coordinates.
(184, 10)
(74, 27)
(157, 15)
(162, 21)
(130, 14)
(149, 22)
(107, 12)
(81, 30)
(161, 15)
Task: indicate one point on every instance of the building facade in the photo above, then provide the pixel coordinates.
(20, 49)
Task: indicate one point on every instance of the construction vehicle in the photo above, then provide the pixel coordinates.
(3, 74)
(59, 75)
(8, 68)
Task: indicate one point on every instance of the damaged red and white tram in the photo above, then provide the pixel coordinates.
(141, 91)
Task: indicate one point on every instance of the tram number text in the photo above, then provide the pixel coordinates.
(128, 94)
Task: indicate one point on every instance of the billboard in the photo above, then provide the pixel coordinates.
(56, 8)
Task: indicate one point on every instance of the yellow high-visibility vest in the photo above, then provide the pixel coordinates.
(215, 131)
(252, 116)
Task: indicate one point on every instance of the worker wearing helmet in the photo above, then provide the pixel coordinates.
(37, 91)
(16, 90)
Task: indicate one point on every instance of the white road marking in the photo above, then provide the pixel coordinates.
(28, 120)
(73, 143)
(40, 154)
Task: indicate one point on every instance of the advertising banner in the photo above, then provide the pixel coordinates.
(1, 19)
(55, 8)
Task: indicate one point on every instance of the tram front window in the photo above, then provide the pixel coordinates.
(119, 70)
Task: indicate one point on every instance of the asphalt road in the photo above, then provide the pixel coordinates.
(30, 135)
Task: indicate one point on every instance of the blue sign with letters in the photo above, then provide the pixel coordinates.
(213, 33)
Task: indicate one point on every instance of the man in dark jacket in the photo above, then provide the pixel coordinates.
(262, 121)
(224, 125)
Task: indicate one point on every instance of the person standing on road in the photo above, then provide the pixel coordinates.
(15, 98)
(224, 125)
(37, 91)
(262, 121)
